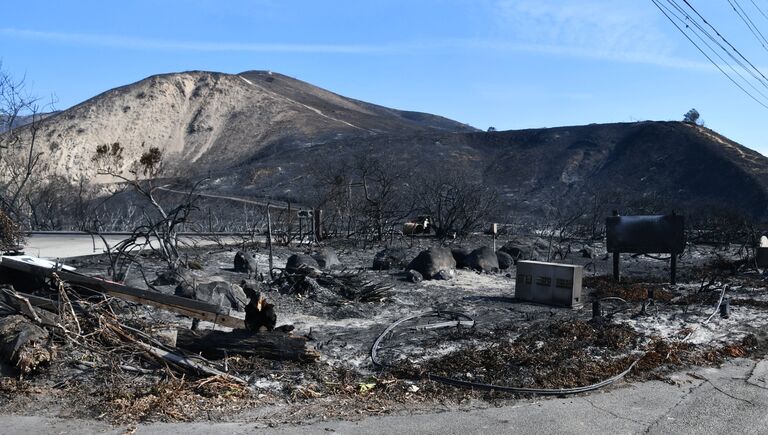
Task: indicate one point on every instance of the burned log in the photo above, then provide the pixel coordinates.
(24, 344)
(24, 304)
(270, 345)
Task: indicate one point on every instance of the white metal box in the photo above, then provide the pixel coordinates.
(549, 283)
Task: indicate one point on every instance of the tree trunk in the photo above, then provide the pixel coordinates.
(270, 345)
(24, 344)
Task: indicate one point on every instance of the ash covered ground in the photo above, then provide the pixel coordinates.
(513, 343)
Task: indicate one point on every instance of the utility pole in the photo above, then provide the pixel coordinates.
(269, 241)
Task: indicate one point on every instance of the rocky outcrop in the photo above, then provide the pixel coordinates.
(505, 260)
(390, 258)
(326, 258)
(483, 259)
(461, 255)
(245, 262)
(433, 261)
(301, 263)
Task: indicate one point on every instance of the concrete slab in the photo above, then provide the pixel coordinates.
(760, 375)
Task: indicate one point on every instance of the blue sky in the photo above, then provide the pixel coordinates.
(503, 63)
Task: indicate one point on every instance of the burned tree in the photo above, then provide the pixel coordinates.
(21, 118)
(457, 202)
(365, 193)
(691, 117)
(10, 233)
(160, 225)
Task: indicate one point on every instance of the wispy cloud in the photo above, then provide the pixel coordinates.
(600, 29)
(596, 24)
(574, 46)
(134, 43)
(629, 56)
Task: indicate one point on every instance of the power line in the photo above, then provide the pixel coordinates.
(669, 15)
(737, 58)
(748, 22)
(759, 9)
(696, 29)
(704, 20)
(715, 41)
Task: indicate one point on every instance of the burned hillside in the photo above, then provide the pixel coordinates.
(265, 135)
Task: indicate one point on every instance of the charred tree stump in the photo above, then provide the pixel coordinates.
(269, 242)
(24, 344)
(270, 345)
(673, 269)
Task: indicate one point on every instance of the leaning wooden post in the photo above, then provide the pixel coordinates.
(269, 240)
(673, 269)
(616, 258)
(301, 230)
(318, 219)
(289, 224)
(311, 240)
(673, 261)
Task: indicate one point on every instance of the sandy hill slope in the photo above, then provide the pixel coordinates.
(211, 121)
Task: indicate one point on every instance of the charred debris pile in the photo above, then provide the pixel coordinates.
(106, 341)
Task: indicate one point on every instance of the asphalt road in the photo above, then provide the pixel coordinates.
(65, 245)
(731, 399)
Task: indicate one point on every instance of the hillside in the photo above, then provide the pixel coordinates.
(640, 165)
(678, 164)
(209, 120)
(263, 134)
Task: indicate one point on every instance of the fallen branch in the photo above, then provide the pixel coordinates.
(125, 367)
(186, 362)
(24, 306)
(179, 360)
(21, 304)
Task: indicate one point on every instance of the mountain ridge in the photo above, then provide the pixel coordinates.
(201, 117)
(263, 133)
